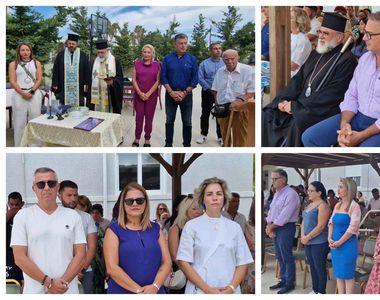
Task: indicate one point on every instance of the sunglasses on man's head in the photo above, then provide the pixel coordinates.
(41, 184)
(130, 201)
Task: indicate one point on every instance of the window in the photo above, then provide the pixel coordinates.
(357, 179)
(141, 168)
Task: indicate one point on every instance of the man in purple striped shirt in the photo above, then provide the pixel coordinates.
(281, 226)
(358, 124)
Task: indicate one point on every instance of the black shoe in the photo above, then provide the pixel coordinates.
(146, 145)
(286, 289)
(277, 286)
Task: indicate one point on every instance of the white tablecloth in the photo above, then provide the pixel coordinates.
(109, 133)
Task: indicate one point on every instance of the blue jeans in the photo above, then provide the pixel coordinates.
(317, 256)
(324, 133)
(186, 108)
(283, 243)
(87, 282)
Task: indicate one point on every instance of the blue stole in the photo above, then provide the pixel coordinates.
(72, 77)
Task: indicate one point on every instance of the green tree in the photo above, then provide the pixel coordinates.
(123, 49)
(80, 26)
(168, 37)
(245, 40)
(23, 24)
(198, 46)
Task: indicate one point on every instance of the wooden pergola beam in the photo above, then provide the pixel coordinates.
(279, 48)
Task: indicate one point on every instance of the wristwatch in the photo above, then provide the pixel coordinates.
(31, 92)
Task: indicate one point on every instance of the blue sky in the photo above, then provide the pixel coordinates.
(158, 17)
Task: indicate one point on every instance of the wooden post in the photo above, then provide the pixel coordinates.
(279, 48)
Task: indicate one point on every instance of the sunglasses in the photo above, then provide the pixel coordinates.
(162, 208)
(130, 201)
(41, 184)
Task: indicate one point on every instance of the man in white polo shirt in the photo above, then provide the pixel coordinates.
(48, 241)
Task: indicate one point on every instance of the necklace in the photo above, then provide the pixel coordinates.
(311, 79)
(215, 222)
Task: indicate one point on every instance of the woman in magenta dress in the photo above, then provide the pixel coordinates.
(373, 284)
(135, 251)
(145, 79)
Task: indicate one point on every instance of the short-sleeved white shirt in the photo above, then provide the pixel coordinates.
(50, 240)
(375, 204)
(300, 50)
(88, 226)
(230, 85)
(199, 236)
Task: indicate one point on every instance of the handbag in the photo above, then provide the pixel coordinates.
(220, 110)
(175, 280)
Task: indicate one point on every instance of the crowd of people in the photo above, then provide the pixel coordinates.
(328, 224)
(61, 249)
(99, 85)
(332, 97)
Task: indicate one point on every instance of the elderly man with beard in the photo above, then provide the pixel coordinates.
(304, 102)
(71, 73)
(358, 124)
(106, 81)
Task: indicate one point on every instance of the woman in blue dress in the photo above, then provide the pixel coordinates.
(136, 253)
(343, 236)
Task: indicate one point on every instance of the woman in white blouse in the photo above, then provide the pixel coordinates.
(213, 252)
(300, 44)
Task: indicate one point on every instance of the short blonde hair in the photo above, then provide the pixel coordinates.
(302, 19)
(183, 207)
(199, 193)
(151, 49)
(123, 218)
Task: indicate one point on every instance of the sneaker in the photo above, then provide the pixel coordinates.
(220, 142)
(200, 139)
(312, 292)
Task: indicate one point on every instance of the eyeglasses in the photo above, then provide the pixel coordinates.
(275, 178)
(130, 201)
(369, 35)
(162, 208)
(41, 184)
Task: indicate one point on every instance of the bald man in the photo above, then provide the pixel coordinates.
(235, 84)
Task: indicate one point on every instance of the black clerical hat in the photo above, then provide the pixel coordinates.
(101, 44)
(334, 21)
(312, 7)
(73, 37)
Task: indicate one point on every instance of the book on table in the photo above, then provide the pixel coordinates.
(89, 124)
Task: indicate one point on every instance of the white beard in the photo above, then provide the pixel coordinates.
(327, 47)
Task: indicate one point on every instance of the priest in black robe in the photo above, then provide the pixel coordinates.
(71, 73)
(301, 104)
(106, 81)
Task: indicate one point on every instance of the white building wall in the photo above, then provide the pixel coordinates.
(97, 176)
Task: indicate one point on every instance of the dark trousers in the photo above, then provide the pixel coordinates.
(186, 108)
(283, 243)
(207, 103)
(323, 134)
(317, 256)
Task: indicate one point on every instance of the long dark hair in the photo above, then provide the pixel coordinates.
(319, 187)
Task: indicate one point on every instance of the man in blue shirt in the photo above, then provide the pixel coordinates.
(206, 73)
(179, 75)
(265, 34)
